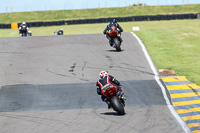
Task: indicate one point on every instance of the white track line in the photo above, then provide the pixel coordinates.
(157, 78)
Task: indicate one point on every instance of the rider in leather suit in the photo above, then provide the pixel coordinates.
(105, 79)
(21, 27)
(108, 27)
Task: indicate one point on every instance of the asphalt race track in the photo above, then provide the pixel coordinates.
(48, 86)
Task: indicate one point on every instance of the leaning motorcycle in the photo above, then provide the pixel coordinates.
(115, 97)
(115, 39)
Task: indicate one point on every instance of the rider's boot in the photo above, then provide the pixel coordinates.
(120, 39)
(121, 94)
(110, 42)
(108, 102)
(109, 38)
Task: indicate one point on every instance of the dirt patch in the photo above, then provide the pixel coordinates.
(167, 72)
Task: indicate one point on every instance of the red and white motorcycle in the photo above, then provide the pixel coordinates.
(115, 97)
(114, 34)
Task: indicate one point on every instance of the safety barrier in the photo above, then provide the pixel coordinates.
(105, 20)
(134, 18)
(14, 26)
(5, 26)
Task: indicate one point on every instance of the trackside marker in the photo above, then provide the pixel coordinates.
(136, 28)
(157, 78)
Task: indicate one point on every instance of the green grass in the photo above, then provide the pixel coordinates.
(172, 44)
(49, 31)
(96, 13)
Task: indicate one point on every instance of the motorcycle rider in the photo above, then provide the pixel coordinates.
(21, 28)
(108, 28)
(60, 31)
(105, 79)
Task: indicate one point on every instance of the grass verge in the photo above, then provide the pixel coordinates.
(172, 44)
(96, 13)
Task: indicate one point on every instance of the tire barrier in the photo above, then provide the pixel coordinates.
(38, 24)
(5, 26)
(134, 18)
(105, 20)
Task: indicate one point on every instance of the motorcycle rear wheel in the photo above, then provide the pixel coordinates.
(24, 34)
(117, 106)
(117, 44)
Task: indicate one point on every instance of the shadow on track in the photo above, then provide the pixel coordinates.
(111, 113)
(114, 50)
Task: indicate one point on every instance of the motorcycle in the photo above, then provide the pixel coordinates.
(60, 32)
(24, 31)
(115, 38)
(115, 97)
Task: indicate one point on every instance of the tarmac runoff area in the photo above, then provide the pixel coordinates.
(48, 85)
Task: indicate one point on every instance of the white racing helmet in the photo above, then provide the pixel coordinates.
(102, 74)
